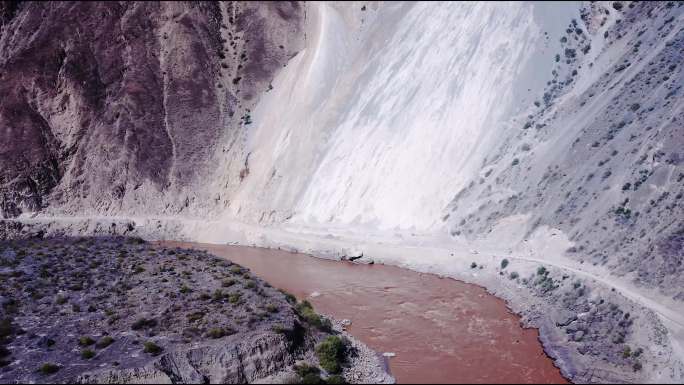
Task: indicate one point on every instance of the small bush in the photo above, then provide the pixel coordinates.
(87, 354)
(289, 297)
(514, 275)
(218, 295)
(217, 333)
(504, 263)
(335, 379)
(48, 368)
(271, 308)
(85, 341)
(228, 282)
(306, 311)
(143, 323)
(304, 369)
(331, 354)
(473, 265)
(150, 347)
(312, 379)
(234, 298)
(196, 316)
(104, 342)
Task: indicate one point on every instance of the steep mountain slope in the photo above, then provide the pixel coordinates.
(121, 107)
(427, 135)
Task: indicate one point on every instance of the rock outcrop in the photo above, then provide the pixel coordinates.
(112, 106)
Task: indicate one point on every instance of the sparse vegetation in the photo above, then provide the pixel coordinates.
(331, 354)
(306, 311)
(151, 348)
(104, 342)
(48, 368)
(144, 323)
(504, 263)
(85, 341)
(217, 333)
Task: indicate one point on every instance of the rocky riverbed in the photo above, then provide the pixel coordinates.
(120, 310)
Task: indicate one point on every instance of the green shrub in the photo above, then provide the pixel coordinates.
(196, 316)
(143, 323)
(271, 308)
(87, 354)
(504, 263)
(61, 300)
(331, 354)
(150, 347)
(473, 265)
(289, 297)
(306, 311)
(217, 333)
(104, 342)
(85, 341)
(514, 275)
(335, 379)
(312, 379)
(48, 368)
(228, 282)
(234, 298)
(218, 295)
(304, 369)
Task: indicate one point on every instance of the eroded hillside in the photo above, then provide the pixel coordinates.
(123, 107)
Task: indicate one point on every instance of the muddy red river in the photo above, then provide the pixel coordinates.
(441, 330)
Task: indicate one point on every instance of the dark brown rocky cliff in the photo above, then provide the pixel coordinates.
(104, 103)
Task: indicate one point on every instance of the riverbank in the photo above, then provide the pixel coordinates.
(579, 309)
(120, 310)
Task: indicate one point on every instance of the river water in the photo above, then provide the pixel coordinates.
(441, 330)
